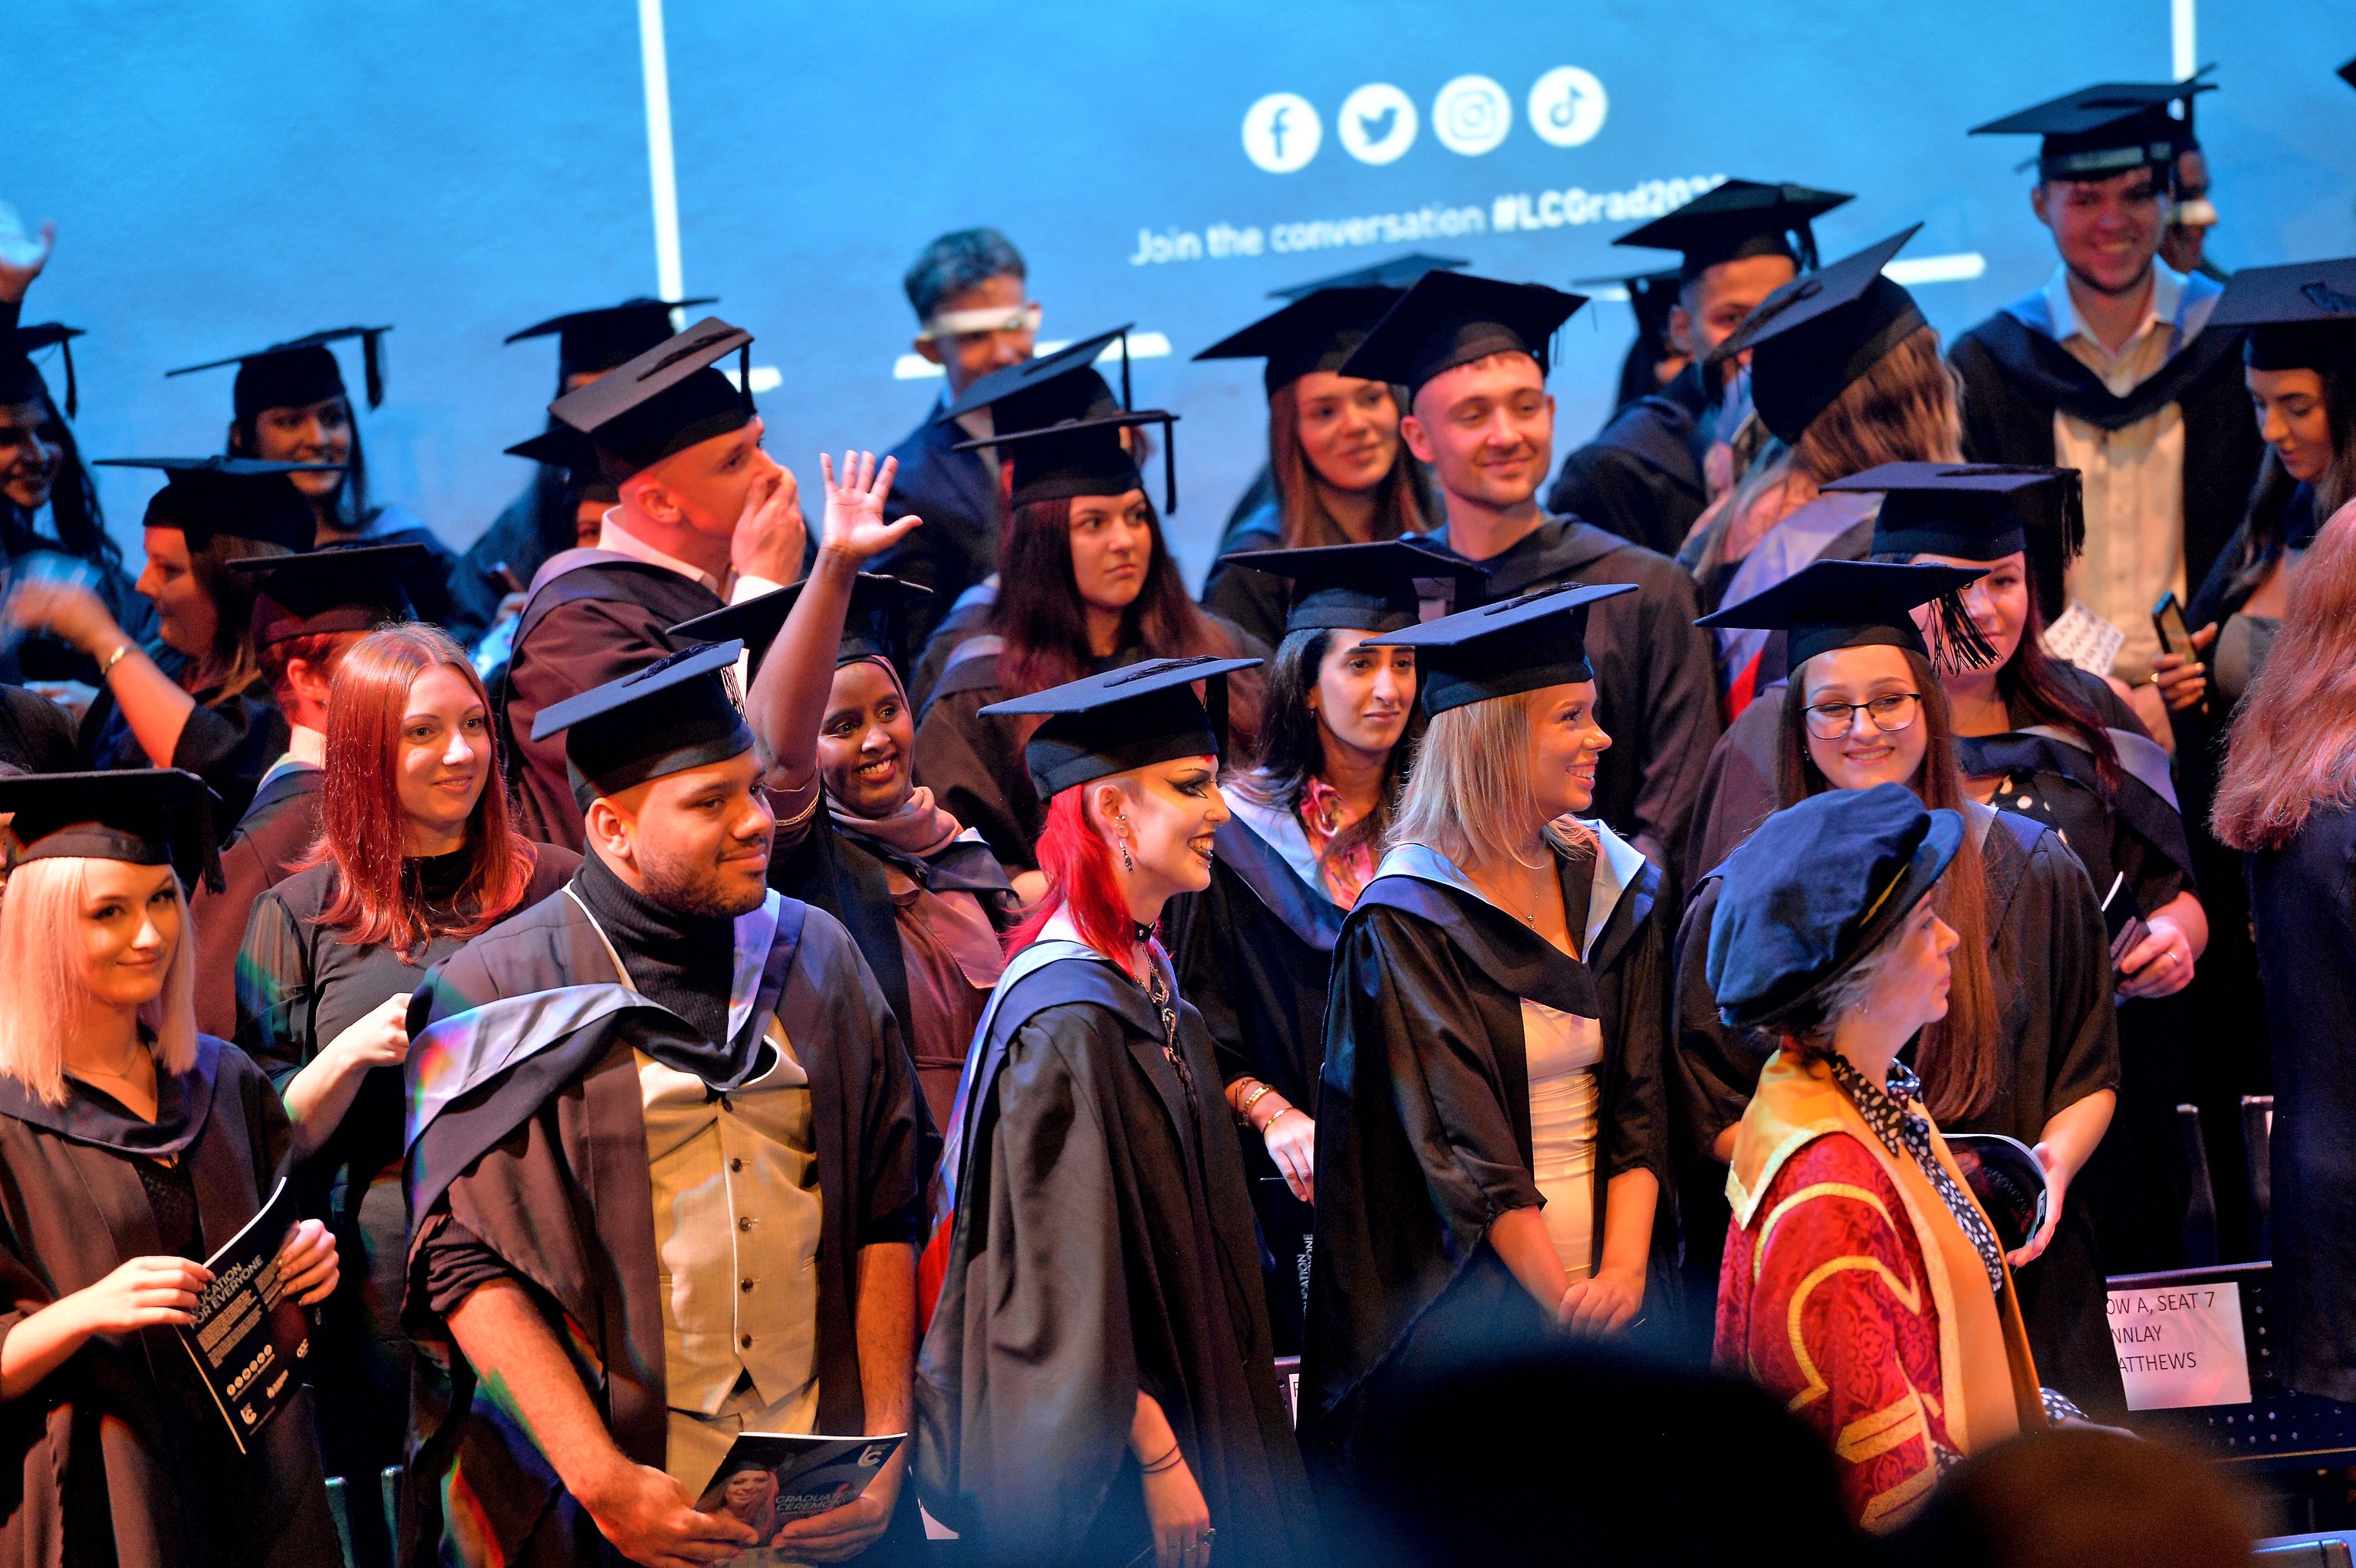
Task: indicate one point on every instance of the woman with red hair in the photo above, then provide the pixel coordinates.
(415, 856)
(2289, 802)
(1098, 1382)
(1084, 582)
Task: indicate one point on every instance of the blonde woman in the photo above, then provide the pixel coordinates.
(134, 1146)
(1490, 1138)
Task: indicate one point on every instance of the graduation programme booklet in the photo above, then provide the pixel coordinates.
(771, 1478)
(251, 1338)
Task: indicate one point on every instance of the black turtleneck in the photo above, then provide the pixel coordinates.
(684, 962)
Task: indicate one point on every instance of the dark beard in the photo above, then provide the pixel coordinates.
(692, 890)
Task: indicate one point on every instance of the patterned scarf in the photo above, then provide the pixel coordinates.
(1904, 1131)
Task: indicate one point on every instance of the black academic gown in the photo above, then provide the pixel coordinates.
(594, 616)
(35, 735)
(228, 742)
(1423, 1128)
(2049, 964)
(275, 836)
(956, 494)
(1255, 950)
(533, 527)
(1656, 688)
(1102, 1245)
(1252, 600)
(2016, 379)
(1640, 477)
(2303, 897)
(538, 1173)
(124, 1433)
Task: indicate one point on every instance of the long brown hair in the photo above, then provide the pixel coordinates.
(2293, 746)
(1957, 1057)
(232, 663)
(1292, 748)
(1907, 409)
(378, 896)
(1404, 503)
(1044, 622)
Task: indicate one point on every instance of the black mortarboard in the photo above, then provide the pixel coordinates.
(1831, 604)
(1812, 338)
(591, 342)
(342, 588)
(1449, 319)
(876, 625)
(1378, 587)
(2107, 129)
(1316, 332)
(1123, 719)
(1970, 511)
(2347, 73)
(244, 498)
(1812, 889)
(673, 715)
(560, 446)
(20, 379)
(2301, 317)
(663, 401)
(1061, 427)
(1501, 650)
(1740, 218)
(145, 816)
(1399, 273)
(299, 371)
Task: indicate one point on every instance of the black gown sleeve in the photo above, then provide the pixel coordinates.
(1715, 1070)
(2077, 975)
(974, 767)
(1638, 1136)
(276, 991)
(1200, 929)
(232, 745)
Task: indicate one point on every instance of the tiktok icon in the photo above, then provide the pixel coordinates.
(1282, 133)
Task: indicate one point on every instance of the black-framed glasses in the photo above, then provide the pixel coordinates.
(1890, 712)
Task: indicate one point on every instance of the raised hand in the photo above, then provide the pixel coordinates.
(21, 256)
(853, 522)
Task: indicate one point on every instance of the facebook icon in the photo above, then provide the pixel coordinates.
(1282, 133)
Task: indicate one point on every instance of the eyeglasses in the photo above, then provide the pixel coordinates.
(1890, 712)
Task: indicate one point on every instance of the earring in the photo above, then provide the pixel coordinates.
(1126, 863)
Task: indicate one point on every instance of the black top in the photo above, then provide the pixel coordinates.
(1640, 477)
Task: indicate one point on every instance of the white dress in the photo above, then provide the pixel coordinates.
(1563, 1050)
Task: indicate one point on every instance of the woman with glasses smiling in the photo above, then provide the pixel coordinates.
(2029, 1046)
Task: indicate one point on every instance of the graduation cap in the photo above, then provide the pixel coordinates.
(243, 498)
(1501, 650)
(1832, 605)
(1971, 510)
(1735, 218)
(1317, 331)
(1449, 319)
(591, 342)
(1123, 719)
(143, 817)
(299, 372)
(874, 626)
(663, 401)
(20, 379)
(1400, 273)
(343, 587)
(2347, 73)
(1378, 587)
(2301, 317)
(1815, 889)
(1812, 338)
(2107, 129)
(673, 715)
(1061, 427)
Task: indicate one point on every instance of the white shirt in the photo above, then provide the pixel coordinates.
(2134, 477)
(612, 534)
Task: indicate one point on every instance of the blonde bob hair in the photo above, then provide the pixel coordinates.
(1468, 796)
(40, 916)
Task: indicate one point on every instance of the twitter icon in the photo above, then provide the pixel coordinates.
(1377, 123)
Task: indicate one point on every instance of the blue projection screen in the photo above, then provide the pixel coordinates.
(228, 176)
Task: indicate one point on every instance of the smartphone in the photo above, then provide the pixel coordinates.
(2175, 637)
